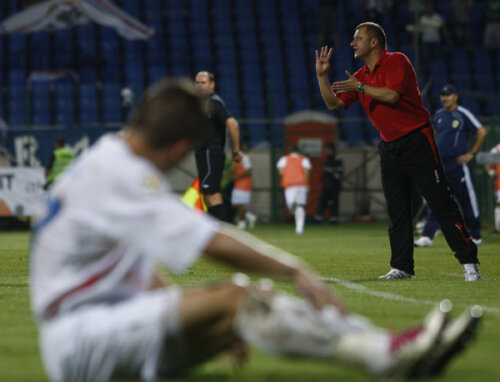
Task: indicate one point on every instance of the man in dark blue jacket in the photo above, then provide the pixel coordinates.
(454, 124)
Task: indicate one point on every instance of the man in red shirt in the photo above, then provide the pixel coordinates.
(388, 91)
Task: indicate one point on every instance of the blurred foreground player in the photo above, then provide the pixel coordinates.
(387, 88)
(103, 311)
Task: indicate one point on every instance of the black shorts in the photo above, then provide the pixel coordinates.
(210, 165)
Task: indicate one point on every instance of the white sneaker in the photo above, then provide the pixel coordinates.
(471, 272)
(478, 242)
(454, 338)
(424, 241)
(397, 274)
(251, 219)
(410, 348)
(242, 224)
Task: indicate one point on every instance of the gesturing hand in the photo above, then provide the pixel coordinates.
(350, 85)
(323, 60)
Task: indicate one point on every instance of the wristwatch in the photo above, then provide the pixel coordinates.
(361, 88)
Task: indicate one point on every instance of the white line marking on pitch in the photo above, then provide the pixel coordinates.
(392, 296)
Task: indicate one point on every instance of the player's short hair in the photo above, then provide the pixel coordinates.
(374, 30)
(169, 110)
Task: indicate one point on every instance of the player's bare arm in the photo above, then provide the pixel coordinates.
(322, 67)
(234, 134)
(353, 85)
(247, 253)
(480, 137)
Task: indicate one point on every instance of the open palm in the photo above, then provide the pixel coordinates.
(323, 60)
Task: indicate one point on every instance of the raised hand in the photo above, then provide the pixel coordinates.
(323, 60)
(350, 85)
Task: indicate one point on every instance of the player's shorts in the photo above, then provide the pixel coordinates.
(139, 338)
(497, 196)
(210, 165)
(240, 197)
(295, 196)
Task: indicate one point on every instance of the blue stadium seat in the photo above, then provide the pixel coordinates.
(110, 67)
(16, 104)
(132, 7)
(63, 54)
(111, 102)
(64, 102)
(40, 51)
(40, 101)
(16, 51)
(87, 101)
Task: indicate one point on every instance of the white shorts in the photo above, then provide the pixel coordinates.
(497, 197)
(295, 196)
(240, 197)
(133, 339)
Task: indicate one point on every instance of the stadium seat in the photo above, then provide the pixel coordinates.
(40, 51)
(17, 51)
(16, 104)
(87, 101)
(40, 101)
(63, 55)
(64, 102)
(111, 102)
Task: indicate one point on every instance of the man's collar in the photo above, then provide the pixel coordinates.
(382, 57)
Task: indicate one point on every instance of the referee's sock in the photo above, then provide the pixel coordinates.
(218, 211)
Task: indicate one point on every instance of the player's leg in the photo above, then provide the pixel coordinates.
(397, 190)
(322, 204)
(334, 193)
(210, 164)
(497, 211)
(284, 325)
(291, 195)
(430, 228)
(466, 195)
(300, 211)
(429, 176)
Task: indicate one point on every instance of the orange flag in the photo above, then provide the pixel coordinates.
(193, 197)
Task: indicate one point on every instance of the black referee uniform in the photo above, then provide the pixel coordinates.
(209, 153)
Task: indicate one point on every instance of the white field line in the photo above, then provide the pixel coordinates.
(392, 296)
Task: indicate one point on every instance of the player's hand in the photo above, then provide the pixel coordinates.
(237, 156)
(465, 158)
(350, 85)
(317, 292)
(323, 60)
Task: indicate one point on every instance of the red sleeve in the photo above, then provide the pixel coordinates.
(347, 98)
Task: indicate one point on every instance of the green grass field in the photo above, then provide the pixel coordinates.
(349, 256)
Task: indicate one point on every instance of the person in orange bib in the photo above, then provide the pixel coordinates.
(294, 170)
(242, 191)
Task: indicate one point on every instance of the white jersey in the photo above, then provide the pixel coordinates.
(109, 220)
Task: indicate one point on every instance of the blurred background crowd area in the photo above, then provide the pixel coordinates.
(262, 55)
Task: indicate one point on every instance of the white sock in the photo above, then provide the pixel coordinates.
(497, 219)
(300, 218)
(288, 325)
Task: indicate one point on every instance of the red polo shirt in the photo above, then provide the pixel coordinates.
(393, 71)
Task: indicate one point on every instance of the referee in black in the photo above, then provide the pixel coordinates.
(209, 153)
